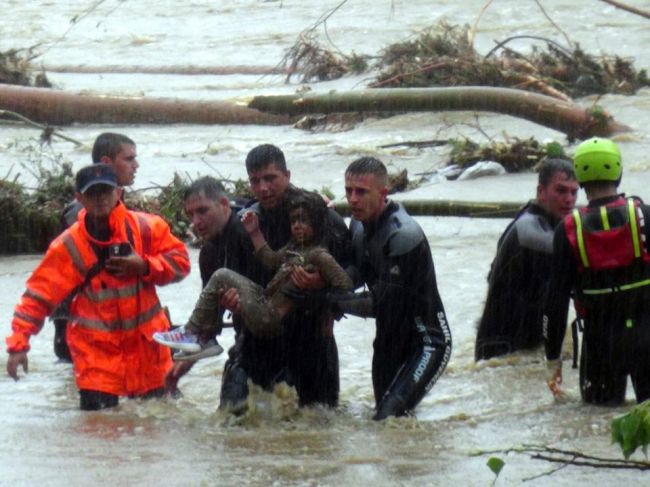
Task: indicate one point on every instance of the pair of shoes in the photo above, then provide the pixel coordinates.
(189, 346)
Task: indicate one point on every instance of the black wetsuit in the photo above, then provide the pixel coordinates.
(616, 339)
(306, 355)
(517, 285)
(413, 342)
(231, 249)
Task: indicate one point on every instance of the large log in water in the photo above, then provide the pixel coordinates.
(60, 108)
(563, 116)
(181, 70)
(472, 209)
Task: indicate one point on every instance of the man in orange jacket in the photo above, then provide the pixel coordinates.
(116, 150)
(113, 258)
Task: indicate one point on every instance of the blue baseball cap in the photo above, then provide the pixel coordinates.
(90, 176)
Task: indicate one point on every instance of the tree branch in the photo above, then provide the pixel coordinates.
(633, 10)
(45, 128)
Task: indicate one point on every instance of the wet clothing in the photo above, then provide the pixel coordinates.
(305, 355)
(95, 400)
(61, 314)
(517, 285)
(413, 342)
(262, 309)
(231, 249)
(601, 252)
(112, 319)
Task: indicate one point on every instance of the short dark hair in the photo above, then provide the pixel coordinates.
(368, 165)
(314, 207)
(109, 144)
(264, 155)
(550, 167)
(209, 186)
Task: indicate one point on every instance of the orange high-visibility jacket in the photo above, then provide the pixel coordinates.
(112, 319)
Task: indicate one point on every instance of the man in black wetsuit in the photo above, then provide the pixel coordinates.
(519, 277)
(392, 257)
(602, 253)
(305, 355)
(225, 244)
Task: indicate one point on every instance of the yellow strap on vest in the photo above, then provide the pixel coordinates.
(624, 287)
(604, 218)
(579, 237)
(631, 210)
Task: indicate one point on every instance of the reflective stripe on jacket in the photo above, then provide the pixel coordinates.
(609, 246)
(112, 318)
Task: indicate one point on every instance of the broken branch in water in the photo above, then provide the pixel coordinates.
(628, 8)
(47, 130)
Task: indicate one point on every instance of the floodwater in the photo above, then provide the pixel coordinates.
(494, 406)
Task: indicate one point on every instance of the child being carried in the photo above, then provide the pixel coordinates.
(261, 310)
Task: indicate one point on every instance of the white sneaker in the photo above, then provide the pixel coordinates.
(210, 348)
(178, 339)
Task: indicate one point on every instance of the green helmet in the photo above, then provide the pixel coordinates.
(597, 159)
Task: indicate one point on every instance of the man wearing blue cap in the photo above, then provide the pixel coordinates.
(118, 151)
(113, 259)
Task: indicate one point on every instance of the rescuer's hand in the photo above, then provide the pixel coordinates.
(15, 359)
(129, 266)
(230, 300)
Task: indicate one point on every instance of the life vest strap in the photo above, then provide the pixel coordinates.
(631, 209)
(615, 289)
(580, 238)
(604, 217)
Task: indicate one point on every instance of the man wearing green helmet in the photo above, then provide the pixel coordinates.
(602, 253)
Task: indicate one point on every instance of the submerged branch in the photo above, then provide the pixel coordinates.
(570, 457)
(47, 131)
(472, 209)
(628, 8)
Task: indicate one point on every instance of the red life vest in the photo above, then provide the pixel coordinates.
(609, 245)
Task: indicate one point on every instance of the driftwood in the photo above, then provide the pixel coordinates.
(183, 70)
(451, 208)
(60, 108)
(560, 115)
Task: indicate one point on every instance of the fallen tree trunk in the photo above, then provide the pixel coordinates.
(61, 108)
(185, 70)
(451, 208)
(57, 107)
(560, 115)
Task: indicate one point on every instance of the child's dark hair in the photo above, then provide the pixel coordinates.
(314, 207)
